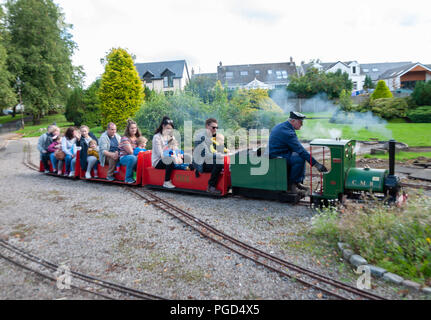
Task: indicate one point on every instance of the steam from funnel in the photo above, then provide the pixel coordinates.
(335, 133)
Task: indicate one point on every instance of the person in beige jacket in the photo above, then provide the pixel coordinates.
(161, 139)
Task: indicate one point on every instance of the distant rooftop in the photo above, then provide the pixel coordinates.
(156, 69)
(375, 70)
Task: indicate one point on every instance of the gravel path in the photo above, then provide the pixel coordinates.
(105, 231)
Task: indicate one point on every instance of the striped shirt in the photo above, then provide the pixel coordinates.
(124, 142)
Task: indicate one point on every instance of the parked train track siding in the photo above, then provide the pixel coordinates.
(258, 255)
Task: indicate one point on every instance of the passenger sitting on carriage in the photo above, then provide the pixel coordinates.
(177, 155)
(55, 145)
(44, 141)
(92, 151)
(142, 143)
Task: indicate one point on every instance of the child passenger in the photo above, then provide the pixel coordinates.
(93, 151)
(177, 155)
(52, 148)
(142, 143)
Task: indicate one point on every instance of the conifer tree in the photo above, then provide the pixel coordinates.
(121, 91)
(382, 91)
(368, 83)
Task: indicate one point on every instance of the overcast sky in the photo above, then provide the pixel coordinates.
(240, 32)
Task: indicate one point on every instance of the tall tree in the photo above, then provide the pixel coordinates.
(368, 83)
(314, 82)
(40, 51)
(202, 86)
(7, 94)
(121, 91)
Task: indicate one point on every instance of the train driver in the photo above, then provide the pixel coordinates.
(283, 142)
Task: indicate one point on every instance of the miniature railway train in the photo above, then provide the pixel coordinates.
(344, 179)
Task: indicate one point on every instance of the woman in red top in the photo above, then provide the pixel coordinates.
(126, 147)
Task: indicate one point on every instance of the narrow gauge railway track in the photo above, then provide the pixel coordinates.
(330, 286)
(129, 292)
(304, 276)
(97, 284)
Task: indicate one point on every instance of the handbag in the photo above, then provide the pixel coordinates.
(59, 155)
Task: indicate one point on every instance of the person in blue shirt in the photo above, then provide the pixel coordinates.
(141, 145)
(284, 143)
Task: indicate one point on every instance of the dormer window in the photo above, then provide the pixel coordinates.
(168, 78)
(148, 77)
(354, 70)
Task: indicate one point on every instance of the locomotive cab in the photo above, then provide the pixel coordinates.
(254, 175)
(342, 159)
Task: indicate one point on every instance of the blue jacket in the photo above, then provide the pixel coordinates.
(283, 141)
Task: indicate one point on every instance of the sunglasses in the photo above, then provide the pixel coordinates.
(168, 122)
(214, 127)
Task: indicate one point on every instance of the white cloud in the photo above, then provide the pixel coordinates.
(241, 32)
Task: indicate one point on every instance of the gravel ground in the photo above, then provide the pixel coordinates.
(105, 231)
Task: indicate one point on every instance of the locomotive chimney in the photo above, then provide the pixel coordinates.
(392, 157)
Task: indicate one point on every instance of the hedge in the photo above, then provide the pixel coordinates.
(420, 115)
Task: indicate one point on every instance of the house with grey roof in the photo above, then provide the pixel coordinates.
(406, 76)
(164, 76)
(352, 68)
(375, 70)
(265, 75)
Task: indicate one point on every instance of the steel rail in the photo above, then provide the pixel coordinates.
(109, 285)
(158, 205)
(50, 278)
(256, 251)
(87, 278)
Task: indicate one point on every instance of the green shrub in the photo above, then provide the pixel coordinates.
(420, 115)
(389, 108)
(422, 93)
(397, 239)
(83, 106)
(381, 91)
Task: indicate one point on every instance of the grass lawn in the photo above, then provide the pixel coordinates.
(414, 134)
(8, 118)
(324, 114)
(401, 156)
(36, 130)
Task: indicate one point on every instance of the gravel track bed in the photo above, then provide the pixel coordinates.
(104, 231)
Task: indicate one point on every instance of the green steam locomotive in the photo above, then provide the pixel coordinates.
(344, 179)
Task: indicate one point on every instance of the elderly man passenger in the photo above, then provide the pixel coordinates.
(108, 149)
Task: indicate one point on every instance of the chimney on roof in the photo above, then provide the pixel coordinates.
(193, 72)
(291, 60)
(220, 64)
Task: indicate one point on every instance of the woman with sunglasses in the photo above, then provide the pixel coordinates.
(162, 137)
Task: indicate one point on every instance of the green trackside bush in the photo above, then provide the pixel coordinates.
(121, 91)
(397, 239)
(381, 91)
(420, 115)
(389, 108)
(421, 95)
